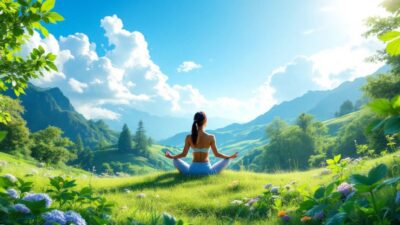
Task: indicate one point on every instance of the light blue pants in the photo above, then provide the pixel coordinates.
(200, 168)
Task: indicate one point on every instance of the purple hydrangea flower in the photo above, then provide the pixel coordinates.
(54, 217)
(345, 188)
(398, 198)
(21, 208)
(11, 178)
(252, 201)
(38, 197)
(319, 215)
(275, 190)
(12, 193)
(285, 218)
(74, 218)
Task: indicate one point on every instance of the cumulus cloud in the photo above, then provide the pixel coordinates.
(126, 76)
(188, 66)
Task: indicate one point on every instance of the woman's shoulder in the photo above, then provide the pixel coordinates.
(209, 135)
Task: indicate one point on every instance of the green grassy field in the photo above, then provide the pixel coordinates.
(196, 200)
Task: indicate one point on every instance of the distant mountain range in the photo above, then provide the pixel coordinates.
(158, 127)
(242, 137)
(49, 107)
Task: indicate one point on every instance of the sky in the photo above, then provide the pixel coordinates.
(234, 59)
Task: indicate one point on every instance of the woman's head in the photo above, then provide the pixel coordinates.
(199, 121)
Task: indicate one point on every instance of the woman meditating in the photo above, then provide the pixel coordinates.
(200, 142)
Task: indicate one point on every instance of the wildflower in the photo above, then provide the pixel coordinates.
(398, 198)
(38, 197)
(293, 182)
(11, 178)
(326, 171)
(268, 186)
(281, 213)
(21, 208)
(12, 193)
(252, 201)
(141, 195)
(3, 163)
(126, 190)
(275, 190)
(305, 219)
(54, 217)
(319, 215)
(74, 218)
(345, 188)
(287, 187)
(236, 202)
(285, 218)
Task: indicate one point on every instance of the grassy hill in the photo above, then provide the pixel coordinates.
(203, 200)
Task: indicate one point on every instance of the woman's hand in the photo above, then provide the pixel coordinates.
(168, 155)
(233, 156)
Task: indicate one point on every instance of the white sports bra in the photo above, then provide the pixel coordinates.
(204, 150)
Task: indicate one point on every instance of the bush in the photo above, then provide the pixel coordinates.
(60, 204)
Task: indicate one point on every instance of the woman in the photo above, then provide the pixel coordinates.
(200, 142)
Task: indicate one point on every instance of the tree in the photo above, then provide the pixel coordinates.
(79, 144)
(141, 139)
(125, 140)
(346, 108)
(51, 147)
(17, 139)
(19, 19)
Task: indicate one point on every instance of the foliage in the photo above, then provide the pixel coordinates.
(49, 146)
(19, 21)
(290, 147)
(346, 108)
(389, 111)
(141, 140)
(72, 206)
(17, 139)
(125, 140)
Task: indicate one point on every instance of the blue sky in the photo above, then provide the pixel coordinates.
(245, 56)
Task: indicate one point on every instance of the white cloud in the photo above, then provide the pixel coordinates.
(76, 85)
(93, 112)
(188, 66)
(127, 76)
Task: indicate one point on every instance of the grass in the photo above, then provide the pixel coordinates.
(196, 200)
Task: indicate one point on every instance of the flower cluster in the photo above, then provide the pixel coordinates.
(38, 197)
(13, 193)
(397, 200)
(21, 208)
(345, 188)
(59, 217)
(284, 217)
(11, 178)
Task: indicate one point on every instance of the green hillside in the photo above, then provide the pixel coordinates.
(205, 200)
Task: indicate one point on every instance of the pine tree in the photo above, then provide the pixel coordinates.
(79, 144)
(125, 140)
(141, 139)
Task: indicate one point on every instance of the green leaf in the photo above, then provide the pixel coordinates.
(306, 205)
(359, 179)
(393, 47)
(48, 5)
(389, 36)
(53, 16)
(337, 158)
(3, 134)
(377, 173)
(391, 5)
(319, 193)
(382, 107)
(392, 125)
(169, 219)
(337, 219)
(396, 102)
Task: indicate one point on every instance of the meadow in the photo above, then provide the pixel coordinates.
(195, 200)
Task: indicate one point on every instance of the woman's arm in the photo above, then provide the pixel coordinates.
(184, 152)
(220, 155)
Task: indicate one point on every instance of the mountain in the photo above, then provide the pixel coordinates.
(157, 127)
(49, 107)
(241, 137)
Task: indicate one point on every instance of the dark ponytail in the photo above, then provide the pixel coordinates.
(198, 121)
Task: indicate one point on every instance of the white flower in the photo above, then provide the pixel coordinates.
(141, 195)
(126, 190)
(11, 178)
(236, 202)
